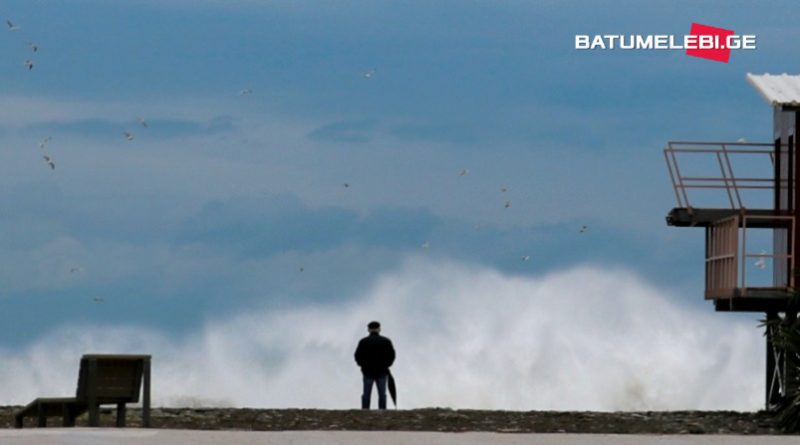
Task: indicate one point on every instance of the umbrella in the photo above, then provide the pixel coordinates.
(392, 390)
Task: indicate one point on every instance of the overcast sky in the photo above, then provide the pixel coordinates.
(296, 153)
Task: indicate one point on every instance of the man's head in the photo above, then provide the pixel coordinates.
(374, 326)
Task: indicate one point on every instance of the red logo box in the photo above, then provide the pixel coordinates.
(720, 53)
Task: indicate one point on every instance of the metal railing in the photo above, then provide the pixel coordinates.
(727, 180)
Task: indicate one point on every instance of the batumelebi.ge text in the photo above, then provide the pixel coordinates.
(664, 41)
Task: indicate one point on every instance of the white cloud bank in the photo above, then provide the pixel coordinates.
(582, 339)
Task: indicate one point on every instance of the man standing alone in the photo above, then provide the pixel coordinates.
(374, 354)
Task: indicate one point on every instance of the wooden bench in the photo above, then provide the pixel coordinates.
(103, 379)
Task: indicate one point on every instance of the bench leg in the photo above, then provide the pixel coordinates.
(41, 419)
(146, 394)
(91, 397)
(120, 415)
(68, 416)
(94, 414)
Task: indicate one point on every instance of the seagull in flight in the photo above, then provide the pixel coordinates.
(99, 300)
(245, 91)
(761, 263)
(584, 228)
(74, 269)
(368, 74)
(44, 142)
(503, 189)
(464, 172)
(12, 26)
(128, 135)
(34, 47)
(346, 185)
(29, 64)
(426, 245)
(507, 205)
(142, 121)
(49, 162)
(526, 258)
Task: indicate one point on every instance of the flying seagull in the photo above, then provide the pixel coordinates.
(34, 47)
(584, 228)
(526, 258)
(368, 74)
(503, 189)
(464, 172)
(426, 245)
(142, 121)
(44, 142)
(49, 161)
(99, 300)
(29, 64)
(245, 91)
(761, 263)
(346, 185)
(74, 269)
(507, 205)
(128, 135)
(11, 26)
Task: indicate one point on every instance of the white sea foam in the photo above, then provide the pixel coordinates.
(587, 338)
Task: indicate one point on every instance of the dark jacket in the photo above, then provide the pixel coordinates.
(375, 354)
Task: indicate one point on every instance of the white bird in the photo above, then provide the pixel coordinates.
(29, 64)
(464, 172)
(503, 189)
(526, 258)
(142, 121)
(44, 142)
(12, 26)
(49, 162)
(426, 245)
(99, 300)
(245, 91)
(34, 47)
(128, 135)
(741, 140)
(761, 262)
(584, 228)
(507, 205)
(74, 269)
(368, 74)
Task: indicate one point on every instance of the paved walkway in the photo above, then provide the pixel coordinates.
(87, 436)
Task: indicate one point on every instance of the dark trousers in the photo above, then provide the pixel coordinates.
(380, 382)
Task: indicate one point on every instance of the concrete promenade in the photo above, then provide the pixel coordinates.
(98, 436)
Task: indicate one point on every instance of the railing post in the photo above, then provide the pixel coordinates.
(733, 177)
(672, 178)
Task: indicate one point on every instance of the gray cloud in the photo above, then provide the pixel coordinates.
(352, 132)
(262, 227)
(157, 127)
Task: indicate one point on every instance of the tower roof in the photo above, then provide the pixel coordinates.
(778, 89)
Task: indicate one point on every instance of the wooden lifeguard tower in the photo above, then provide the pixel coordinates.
(757, 200)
